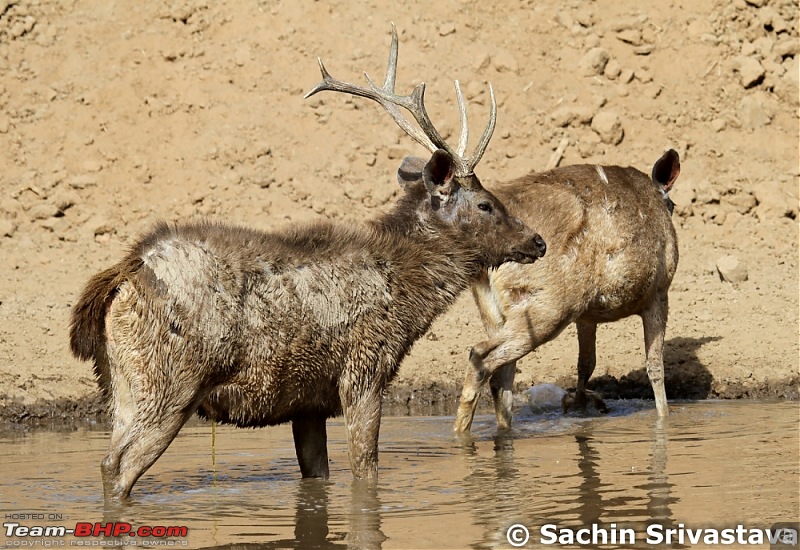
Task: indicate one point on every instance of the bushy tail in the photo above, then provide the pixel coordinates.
(87, 333)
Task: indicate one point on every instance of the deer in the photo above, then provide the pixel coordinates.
(300, 324)
(612, 253)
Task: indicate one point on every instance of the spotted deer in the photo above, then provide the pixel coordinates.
(612, 253)
(298, 325)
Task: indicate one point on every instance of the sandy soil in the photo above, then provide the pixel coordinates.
(116, 114)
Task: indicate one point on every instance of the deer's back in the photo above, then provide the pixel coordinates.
(610, 241)
(275, 321)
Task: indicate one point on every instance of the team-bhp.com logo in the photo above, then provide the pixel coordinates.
(14, 530)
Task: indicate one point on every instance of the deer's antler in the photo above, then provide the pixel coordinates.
(426, 135)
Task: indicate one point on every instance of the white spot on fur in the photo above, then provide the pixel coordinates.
(601, 173)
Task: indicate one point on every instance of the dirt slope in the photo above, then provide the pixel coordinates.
(116, 114)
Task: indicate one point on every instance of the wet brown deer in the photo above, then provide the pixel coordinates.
(612, 253)
(254, 328)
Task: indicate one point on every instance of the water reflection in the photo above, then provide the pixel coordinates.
(435, 490)
(312, 520)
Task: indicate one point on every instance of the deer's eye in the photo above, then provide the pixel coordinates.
(485, 206)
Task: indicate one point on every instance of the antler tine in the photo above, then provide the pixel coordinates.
(473, 161)
(332, 84)
(462, 115)
(426, 135)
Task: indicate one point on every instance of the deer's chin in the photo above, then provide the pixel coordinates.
(521, 257)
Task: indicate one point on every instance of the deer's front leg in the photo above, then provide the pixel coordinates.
(362, 418)
(474, 380)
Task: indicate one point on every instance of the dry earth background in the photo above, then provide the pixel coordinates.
(117, 114)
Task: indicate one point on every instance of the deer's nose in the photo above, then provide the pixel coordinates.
(538, 241)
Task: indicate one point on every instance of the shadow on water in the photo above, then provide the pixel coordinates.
(685, 377)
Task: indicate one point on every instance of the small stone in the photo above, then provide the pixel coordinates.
(626, 76)
(593, 62)
(241, 56)
(630, 36)
(755, 110)
(564, 19)
(718, 124)
(504, 61)
(81, 181)
(447, 29)
(570, 115)
(42, 211)
(787, 47)
(750, 70)
(613, 69)
(606, 124)
(731, 269)
(7, 228)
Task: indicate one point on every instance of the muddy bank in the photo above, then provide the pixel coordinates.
(435, 399)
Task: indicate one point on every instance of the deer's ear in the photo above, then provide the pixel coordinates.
(667, 169)
(410, 171)
(438, 175)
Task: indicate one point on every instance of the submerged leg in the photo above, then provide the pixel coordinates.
(362, 418)
(587, 345)
(654, 319)
(310, 444)
(487, 357)
(146, 438)
(502, 386)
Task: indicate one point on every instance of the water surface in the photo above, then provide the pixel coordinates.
(709, 465)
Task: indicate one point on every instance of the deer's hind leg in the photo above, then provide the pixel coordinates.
(587, 360)
(654, 320)
(310, 444)
(154, 391)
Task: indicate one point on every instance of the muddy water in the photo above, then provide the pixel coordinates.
(710, 465)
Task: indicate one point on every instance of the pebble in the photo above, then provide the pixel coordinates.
(7, 228)
(731, 269)
(750, 70)
(545, 397)
(593, 62)
(613, 69)
(572, 115)
(607, 125)
(755, 110)
(504, 62)
(446, 29)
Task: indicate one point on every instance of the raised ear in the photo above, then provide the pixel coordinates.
(438, 175)
(667, 169)
(410, 171)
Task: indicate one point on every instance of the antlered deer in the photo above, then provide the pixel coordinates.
(612, 253)
(255, 329)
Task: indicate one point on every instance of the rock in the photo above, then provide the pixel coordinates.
(750, 70)
(545, 397)
(606, 124)
(42, 211)
(731, 269)
(776, 199)
(564, 19)
(572, 115)
(626, 76)
(82, 181)
(593, 62)
(630, 36)
(7, 228)
(786, 47)
(718, 124)
(504, 61)
(613, 69)
(755, 110)
(446, 29)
